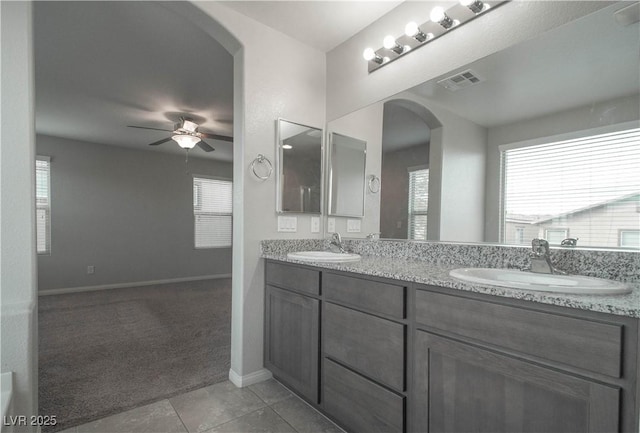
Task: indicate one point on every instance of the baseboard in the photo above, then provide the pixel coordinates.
(132, 284)
(249, 379)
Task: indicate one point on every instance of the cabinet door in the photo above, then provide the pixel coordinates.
(291, 340)
(460, 387)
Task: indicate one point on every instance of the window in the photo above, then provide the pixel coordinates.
(43, 205)
(630, 238)
(519, 238)
(589, 187)
(418, 203)
(212, 203)
(555, 236)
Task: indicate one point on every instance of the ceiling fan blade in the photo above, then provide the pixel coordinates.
(154, 129)
(216, 137)
(164, 140)
(204, 146)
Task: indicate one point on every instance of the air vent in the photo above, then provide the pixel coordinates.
(460, 81)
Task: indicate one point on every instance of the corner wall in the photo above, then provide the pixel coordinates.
(18, 300)
(127, 212)
(274, 76)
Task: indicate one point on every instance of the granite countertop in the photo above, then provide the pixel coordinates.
(419, 271)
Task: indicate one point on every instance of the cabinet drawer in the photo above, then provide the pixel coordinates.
(373, 296)
(373, 346)
(581, 343)
(359, 404)
(293, 278)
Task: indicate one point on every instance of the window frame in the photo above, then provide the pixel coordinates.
(556, 229)
(411, 214)
(621, 232)
(573, 135)
(47, 207)
(196, 201)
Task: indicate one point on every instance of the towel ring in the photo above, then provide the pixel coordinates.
(374, 184)
(261, 159)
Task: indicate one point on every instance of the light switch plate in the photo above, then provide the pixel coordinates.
(331, 225)
(353, 226)
(315, 224)
(287, 224)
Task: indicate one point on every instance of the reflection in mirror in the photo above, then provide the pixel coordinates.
(299, 179)
(405, 171)
(539, 140)
(346, 175)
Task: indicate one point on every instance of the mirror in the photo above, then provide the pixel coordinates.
(347, 165)
(461, 125)
(299, 168)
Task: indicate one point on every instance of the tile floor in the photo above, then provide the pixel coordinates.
(220, 408)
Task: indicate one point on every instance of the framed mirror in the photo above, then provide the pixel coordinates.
(347, 165)
(299, 168)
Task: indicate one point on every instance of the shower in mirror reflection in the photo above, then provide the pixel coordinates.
(299, 168)
(347, 179)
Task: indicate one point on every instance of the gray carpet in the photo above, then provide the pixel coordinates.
(104, 352)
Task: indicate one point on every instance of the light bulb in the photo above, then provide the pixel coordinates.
(287, 146)
(389, 42)
(411, 29)
(437, 14)
(368, 54)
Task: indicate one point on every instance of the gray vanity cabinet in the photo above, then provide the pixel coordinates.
(390, 356)
(363, 350)
(488, 364)
(461, 387)
(292, 327)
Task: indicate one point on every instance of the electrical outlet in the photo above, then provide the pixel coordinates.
(91, 270)
(353, 226)
(315, 224)
(331, 225)
(287, 224)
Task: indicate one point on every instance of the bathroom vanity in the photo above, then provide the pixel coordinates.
(405, 355)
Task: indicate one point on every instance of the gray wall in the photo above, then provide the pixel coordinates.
(394, 194)
(129, 213)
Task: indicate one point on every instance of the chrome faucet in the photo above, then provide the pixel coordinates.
(335, 245)
(541, 258)
(569, 242)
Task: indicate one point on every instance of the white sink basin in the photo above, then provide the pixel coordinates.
(323, 256)
(524, 280)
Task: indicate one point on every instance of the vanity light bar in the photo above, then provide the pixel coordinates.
(441, 21)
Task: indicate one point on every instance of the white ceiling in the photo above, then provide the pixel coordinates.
(591, 60)
(320, 24)
(100, 66)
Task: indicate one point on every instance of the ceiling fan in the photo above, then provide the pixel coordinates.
(186, 134)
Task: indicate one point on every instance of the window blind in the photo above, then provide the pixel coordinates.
(43, 206)
(586, 188)
(418, 204)
(212, 204)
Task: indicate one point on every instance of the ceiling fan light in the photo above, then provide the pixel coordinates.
(186, 141)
